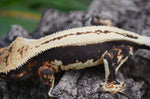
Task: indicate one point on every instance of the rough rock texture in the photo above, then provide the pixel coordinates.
(133, 15)
(15, 31)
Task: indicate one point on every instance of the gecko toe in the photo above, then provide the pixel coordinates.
(113, 87)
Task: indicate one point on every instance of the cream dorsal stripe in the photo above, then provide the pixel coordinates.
(21, 50)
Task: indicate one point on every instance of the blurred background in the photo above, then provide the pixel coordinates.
(28, 13)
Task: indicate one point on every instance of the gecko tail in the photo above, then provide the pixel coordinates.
(146, 42)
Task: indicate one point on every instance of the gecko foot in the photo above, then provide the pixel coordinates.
(113, 87)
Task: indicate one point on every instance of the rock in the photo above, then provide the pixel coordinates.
(13, 33)
(53, 21)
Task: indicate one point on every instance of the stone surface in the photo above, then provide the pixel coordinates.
(133, 15)
(15, 31)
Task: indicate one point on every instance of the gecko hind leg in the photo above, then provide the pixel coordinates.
(113, 59)
(47, 76)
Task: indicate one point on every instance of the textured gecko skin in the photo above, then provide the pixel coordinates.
(76, 48)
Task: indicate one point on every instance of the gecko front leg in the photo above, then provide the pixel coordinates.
(46, 74)
(113, 59)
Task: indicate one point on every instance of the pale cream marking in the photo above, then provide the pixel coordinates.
(107, 72)
(21, 74)
(77, 61)
(16, 61)
(145, 40)
(51, 88)
(121, 62)
(131, 50)
(107, 22)
(45, 76)
(130, 53)
(78, 65)
(120, 56)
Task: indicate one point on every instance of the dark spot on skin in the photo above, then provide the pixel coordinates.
(20, 50)
(98, 31)
(106, 31)
(87, 32)
(57, 38)
(126, 35)
(79, 33)
(7, 60)
(26, 49)
(131, 36)
(23, 50)
(10, 49)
